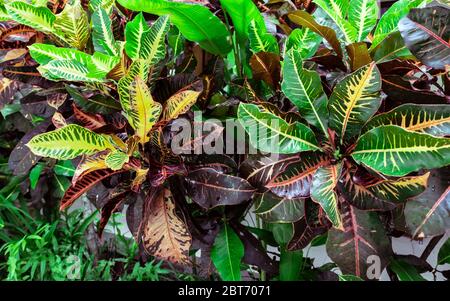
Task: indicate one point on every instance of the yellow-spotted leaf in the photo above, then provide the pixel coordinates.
(73, 24)
(400, 190)
(431, 119)
(153, 45)
(363, 16)
(68, 142)
(164, 234)
(39, 18)
(394, 151)
(70, 70)
(323, 192)
(179, 104)
(270, 133)
(142, 112)
(102, 34)
(116, 159)
(89, 164)
(354, 100)
(135, 31)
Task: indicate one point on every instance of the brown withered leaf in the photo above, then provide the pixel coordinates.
(164, 234)
(266, 67)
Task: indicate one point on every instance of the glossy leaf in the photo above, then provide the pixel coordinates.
(89, 164)
(260, 40)
(405, 271)
(39, 18)
(102, 34)
(358, 55)
(135, 33)
(305, 41)
(304, 234)
(295, 180)
(304, 19)
(153, 46)
(164, 234)
(394, 151)
(266, 67)
(363, 16)
(205, 28)
(179, 104)
(354, 100)
(303, 87)
(226, 254)
(274, 209)
(210, 188)
(430, 119)
(46, 53)
(444, 253)
(392, 47)
(363, 235)
(73, 23)
(323, 192)
(116, 159)
(68, 142)
(425, 32)
(270, 133)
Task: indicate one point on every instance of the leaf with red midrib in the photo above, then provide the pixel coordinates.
(84, 184)
(89, 121)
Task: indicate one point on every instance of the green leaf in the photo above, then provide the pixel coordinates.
(390, 48)
(304, 19)
(73, 24)
(274, 209)
(101, 64)
(116, 159)
(349, 278)
(430, 119)
(270, 133)
(135, 32)
(195, 22)
(242, 12)
(337, 10)
(102, 34)
(363, 15)
(390, 19)
(354, 100)
(260, 40)
(444, 253)
(394, 151)
(35, 174)
(179, 104)
(64, 168)
(323, 192)
(153, 46)
(70, 70)
(425, 32)
(46, 53)
(39, 18)
(226, 254)
(405, 271)
(304, 41)
(290, 264)
(68, 142)
(304, 89)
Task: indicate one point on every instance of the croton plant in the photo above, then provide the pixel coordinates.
(343, 110)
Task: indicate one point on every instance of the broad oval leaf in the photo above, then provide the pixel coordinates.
(274, 209)
(304, 88)
(354, 100)
(394, 151)
(363, 235)
(392, 47)
(260, 40)
(430, 119)
(363, 15)
(305, 41)
(425, 32)
(270, 133)
(164, 234)
(73, 23)
(68, 142)
(266, 67)
(210, 188)
(427, 214)
(39, 18)
(116, 159)
(135, 33)
(323, 192)
(179, 104)
(46, 53)
(70, 70)
(295, 180)
(205, 28)
(226, 254)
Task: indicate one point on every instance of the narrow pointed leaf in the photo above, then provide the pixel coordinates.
(270, 133)
(430, 119)
(135, 32)
(363, 236)
(102, 33)
(179, 104)
(303, 87)
(226, 254)
(425, 32)
(68, 142)
(323, 192)
(153, 47)
(73, 23)
(394, 151)
(164, 234)
(354, 100)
